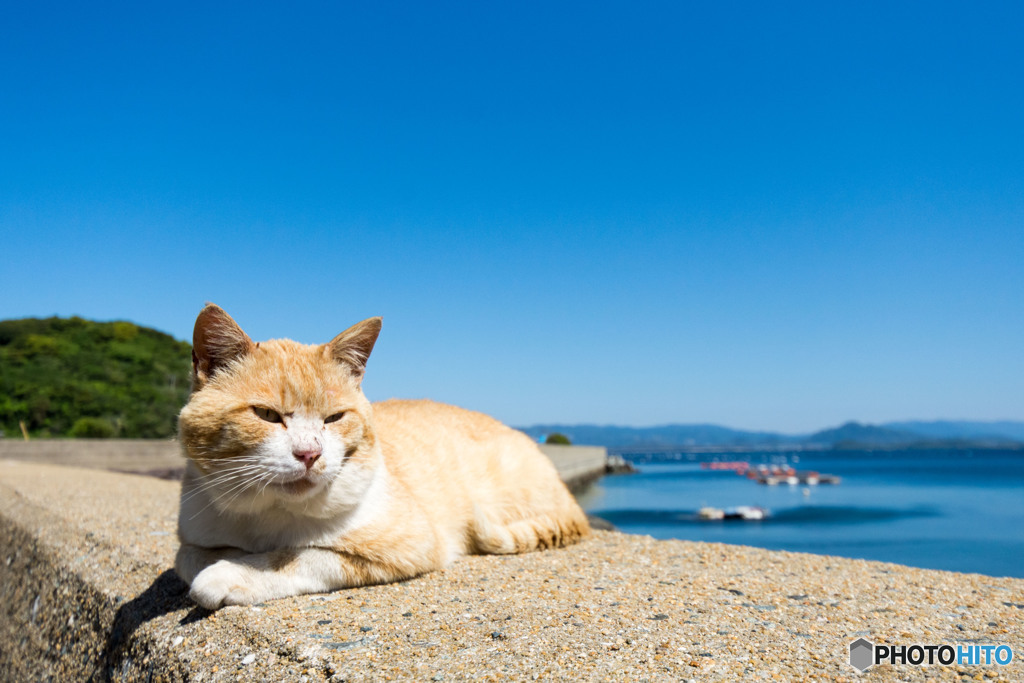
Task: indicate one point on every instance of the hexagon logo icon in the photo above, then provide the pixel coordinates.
(862, 654)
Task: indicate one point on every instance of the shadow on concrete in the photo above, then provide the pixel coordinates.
(166, 595)
(197, 614)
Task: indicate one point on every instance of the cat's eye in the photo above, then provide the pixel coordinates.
(334, 418)
(267, 415)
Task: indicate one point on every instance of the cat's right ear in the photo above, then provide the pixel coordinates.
(216, 341)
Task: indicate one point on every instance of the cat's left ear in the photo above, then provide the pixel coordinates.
(353, 346)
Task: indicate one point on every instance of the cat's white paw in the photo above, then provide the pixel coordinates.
(227, 583)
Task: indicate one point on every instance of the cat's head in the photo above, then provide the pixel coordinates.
(275, 420)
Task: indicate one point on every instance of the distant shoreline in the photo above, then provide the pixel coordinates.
(957, 445)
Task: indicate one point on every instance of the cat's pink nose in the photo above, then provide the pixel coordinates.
(307, 456)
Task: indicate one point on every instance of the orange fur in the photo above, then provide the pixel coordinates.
(297, 484)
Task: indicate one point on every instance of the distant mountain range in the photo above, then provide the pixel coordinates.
(913, 434)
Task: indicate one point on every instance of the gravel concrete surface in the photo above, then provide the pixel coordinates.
(88, 593)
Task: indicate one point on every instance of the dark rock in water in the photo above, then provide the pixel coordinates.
(616, 464)
(600, 524)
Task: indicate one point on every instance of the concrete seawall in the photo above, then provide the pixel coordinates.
(577, 465)
(87, 593)
(95, 453)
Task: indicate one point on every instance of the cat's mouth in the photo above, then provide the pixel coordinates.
(299, 486)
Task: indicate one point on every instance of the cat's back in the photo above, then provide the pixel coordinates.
(485, 484)
(424, 421)
(419, 436)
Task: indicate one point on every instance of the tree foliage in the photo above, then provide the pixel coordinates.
(558, 439)
(75, 377)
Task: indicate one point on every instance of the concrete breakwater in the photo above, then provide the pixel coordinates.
(87, 592)
(115, 454)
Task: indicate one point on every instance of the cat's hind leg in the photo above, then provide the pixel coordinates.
(523, 535)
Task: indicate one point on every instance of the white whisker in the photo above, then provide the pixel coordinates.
(239, 487)
(232, 479)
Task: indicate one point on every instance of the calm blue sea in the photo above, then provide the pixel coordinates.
(956, 510)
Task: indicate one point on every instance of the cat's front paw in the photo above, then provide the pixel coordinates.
(226, 583)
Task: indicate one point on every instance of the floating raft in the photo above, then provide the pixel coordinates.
(772, 475)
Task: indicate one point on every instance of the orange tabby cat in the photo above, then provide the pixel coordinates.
(296, 484)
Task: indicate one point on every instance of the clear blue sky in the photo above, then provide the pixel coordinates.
(774, 216)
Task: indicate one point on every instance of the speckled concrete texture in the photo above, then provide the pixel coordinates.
(88, 594)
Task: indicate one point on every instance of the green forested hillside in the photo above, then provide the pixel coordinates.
(75, 377)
